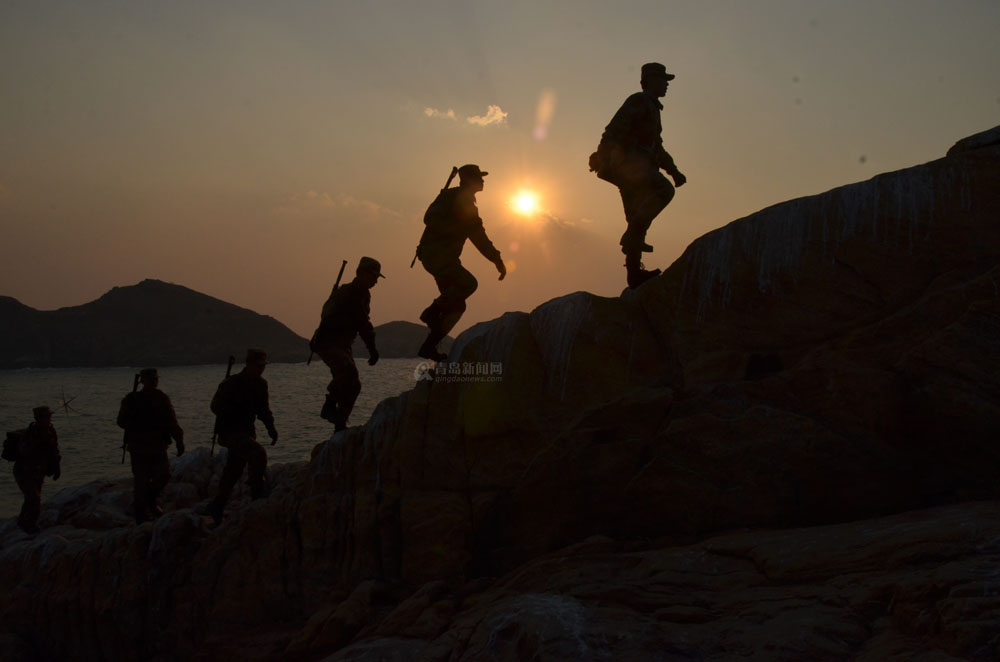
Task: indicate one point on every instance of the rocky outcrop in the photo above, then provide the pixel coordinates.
(773, 450)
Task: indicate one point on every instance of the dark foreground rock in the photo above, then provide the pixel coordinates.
(783, 448)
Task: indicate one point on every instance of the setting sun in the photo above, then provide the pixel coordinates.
(525, 202)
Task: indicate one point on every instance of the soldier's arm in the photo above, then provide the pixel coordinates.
(264, 411)
(482, 242)
(175, 429)
(365, 328)
(666, 162)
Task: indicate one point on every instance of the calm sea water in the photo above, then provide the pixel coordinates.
(90, 441)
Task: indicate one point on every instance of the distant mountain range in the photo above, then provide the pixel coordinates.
(399, 340)
(158, 324)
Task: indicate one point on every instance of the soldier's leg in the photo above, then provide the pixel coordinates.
(431, 315)
(31, 487)
(350, 389)
(140, 486)
(344, 385)
(256, 466)
(236, 461)
(643, 200)
(159, 477)
(459, 285)
(455, 284)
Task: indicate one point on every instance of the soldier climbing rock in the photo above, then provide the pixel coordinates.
(149, 421)
(238, 402)
(345, 315)
(451, 219)
(36, 456)
(630, 156)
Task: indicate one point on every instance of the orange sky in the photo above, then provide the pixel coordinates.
(245, 149)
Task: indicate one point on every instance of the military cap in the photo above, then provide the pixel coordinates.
(148, 373)
(370, 265)
(655, 70)
(41, 412)
(256, 357)
(471, 171)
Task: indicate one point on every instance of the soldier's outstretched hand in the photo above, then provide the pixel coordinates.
(502, 268)
(273, 434)
(679, 179)
(372, 356)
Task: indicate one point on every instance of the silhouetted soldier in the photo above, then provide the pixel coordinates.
(630, 156)
(237, 403)
(345, 316)
(37, 457)
(451, 219)
(149, 421)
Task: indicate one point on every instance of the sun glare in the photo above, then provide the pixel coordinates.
(525, 203)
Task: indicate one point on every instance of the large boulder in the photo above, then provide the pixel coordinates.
(688, 470)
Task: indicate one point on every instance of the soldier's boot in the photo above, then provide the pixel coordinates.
(432, 318)
(339, 419)
(429, 349)
(635, 273)
(329, 411)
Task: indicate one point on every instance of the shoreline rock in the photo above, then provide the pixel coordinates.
(782, 447)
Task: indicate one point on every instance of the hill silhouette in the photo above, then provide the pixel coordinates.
(150, 323)
(157, 323)
(398, 340)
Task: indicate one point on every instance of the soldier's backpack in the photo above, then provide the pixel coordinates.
(604, 162)
(439, 212)
(12, 445)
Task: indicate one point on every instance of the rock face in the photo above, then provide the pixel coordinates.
(778, 449)
(151, 323)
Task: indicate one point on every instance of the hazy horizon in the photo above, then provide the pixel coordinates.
(244, 150)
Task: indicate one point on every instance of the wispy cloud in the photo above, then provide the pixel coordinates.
(316, 203)
(444, 114)
(494, 115)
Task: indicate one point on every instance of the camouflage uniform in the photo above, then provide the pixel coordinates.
(450, 220)
(38, 456)
(345, 315)
(149, 421)
(238, 402)
(632, 154)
